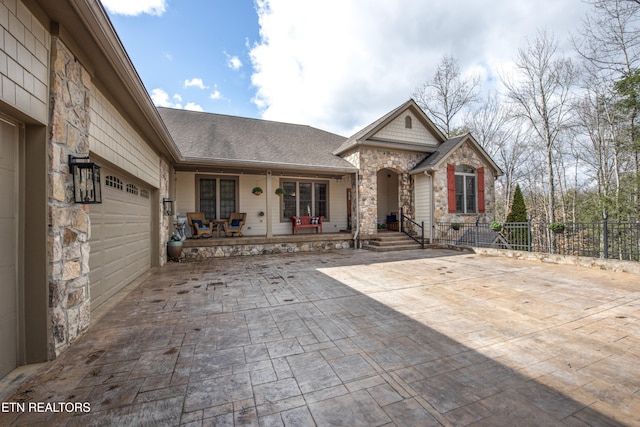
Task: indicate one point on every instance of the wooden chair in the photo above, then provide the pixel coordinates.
(235, 224)
(201, 227)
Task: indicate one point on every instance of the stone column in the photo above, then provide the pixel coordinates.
(166, 222)
(69, 223)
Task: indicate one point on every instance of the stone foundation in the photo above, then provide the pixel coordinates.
(205, 252)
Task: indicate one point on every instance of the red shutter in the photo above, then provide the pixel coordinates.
(481, 190)
(451, 187)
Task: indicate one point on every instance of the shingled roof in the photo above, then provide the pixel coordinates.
(432, 161)
(221, 139)
(441, 152)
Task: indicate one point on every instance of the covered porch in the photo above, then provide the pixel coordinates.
(217, 247)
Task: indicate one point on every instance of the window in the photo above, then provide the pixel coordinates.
(216, 196)
(113, 182)
(304, 198)
(407, 122)
(466, 189)
(144, 194)
(132, 189)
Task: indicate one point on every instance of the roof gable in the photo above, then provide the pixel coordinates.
(390, 129)
(440, 155)
(396, 130)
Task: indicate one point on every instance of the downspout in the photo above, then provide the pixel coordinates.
(431, 175)
(357, 216)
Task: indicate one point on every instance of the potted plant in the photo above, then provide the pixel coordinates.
(257, 191)
(174, 247)
(280, 191)
(455, 226)
(495, 226)
(556, 227)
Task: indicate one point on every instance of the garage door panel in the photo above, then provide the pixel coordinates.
(120, 240)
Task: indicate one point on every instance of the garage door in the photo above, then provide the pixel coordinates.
(120, 236)
(9, 247)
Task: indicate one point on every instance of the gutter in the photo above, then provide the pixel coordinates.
(219, 162)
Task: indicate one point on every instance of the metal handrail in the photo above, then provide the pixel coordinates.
(420, 226)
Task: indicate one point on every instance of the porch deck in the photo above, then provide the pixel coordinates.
(214, 247)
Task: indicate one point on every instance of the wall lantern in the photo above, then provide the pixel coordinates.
(168, 204)
(86, 180)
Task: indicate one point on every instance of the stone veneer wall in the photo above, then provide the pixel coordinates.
(166, 222)
(199, 253)
(464, 155)
(370, 161)
(69, 223)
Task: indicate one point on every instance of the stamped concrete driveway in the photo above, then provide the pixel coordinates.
(353, 338)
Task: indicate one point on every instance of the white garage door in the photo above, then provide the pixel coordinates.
(120, 236)
(9, 247)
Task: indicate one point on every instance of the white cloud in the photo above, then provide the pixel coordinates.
(193, 107)
(339, 65)
(195, 82)
(135, 7)
(215, 94)
(161, 98)
(233, 62)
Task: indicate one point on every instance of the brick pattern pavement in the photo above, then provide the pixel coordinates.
(348, 338)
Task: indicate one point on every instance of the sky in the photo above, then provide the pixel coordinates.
(337, 65)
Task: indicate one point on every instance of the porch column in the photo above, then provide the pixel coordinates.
(268, 194)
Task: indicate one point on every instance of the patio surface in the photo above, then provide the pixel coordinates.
(351, 337)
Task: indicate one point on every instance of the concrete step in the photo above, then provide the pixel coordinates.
(391, 248)
(389, 241)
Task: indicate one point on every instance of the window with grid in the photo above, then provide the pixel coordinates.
(304, 198)
(465, 177)
(217, 196)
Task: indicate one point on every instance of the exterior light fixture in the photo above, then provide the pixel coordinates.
(168, 205)
(86, 180)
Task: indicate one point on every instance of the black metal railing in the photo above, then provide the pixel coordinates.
(608, 240)
(412, 228)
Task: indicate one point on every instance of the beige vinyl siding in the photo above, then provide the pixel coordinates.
(115, 140)
(396, 131)
(24, 61)
(423, 201)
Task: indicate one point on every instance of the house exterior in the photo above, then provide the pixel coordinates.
(68, 88)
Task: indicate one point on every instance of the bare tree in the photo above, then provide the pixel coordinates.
(446, 94)
(503, 139)
(600, 131)
(540, 91)
(610, 44)
(610, 39)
